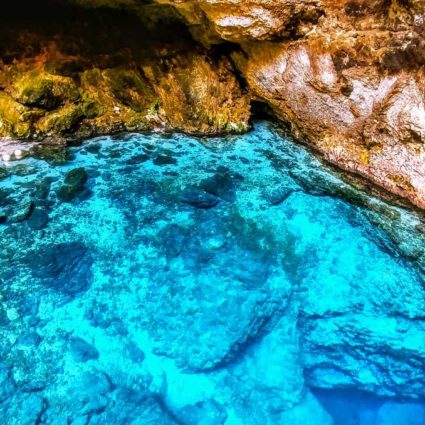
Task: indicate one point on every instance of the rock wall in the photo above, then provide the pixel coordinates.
(94, 72)
(347, 76)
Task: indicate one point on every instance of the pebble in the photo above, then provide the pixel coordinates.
(19, 154)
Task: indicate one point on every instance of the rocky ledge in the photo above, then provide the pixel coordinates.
(347, 76)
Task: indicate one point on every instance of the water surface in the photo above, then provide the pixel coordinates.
(147, 279)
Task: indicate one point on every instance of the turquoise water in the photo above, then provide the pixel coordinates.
(148, 279)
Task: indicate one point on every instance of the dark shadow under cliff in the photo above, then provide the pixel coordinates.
(25, 28)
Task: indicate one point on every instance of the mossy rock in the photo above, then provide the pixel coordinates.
(136, 122)
(23, 170)
(164, 159)
(42, 90)
(52, 154)
(61, 121)
(21, 211)
(76, 177)
(74, 185)
(67, 193)
(14, 118)
(129, 88)
(38, 219)
(96, 99)
(65, 67)
(3, 173)
(91, 77)
(90, 107)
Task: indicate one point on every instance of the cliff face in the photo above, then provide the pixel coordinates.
(348, 76)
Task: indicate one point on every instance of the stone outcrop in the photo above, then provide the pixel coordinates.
(68, 79)
(347, 76)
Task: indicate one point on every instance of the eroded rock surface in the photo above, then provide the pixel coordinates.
(348, 76)
(103, 71)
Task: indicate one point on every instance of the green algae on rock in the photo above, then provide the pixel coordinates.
(74, 185)
(55, 85)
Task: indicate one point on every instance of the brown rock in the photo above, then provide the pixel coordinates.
(375, 129)
(58, 85)
(348, 76)
(243, 20)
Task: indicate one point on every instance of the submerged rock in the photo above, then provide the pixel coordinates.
(76, 177)
(38, 219)
(141, 306)
(164, 160)
(279, 195)
(65, 267)
(403, 414)
(82, 351)
(3, 173)
(203, 413)
(198, 198)
(52, 153)
(138, 159)
(74, 185)
(222, 184)
(21, 211)
(31, 409)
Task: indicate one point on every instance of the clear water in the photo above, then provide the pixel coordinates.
(206, 281)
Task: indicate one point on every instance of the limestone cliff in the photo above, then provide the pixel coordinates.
(347, 76)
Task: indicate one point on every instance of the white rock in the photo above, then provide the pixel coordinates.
(18, 154)
(216, 243)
